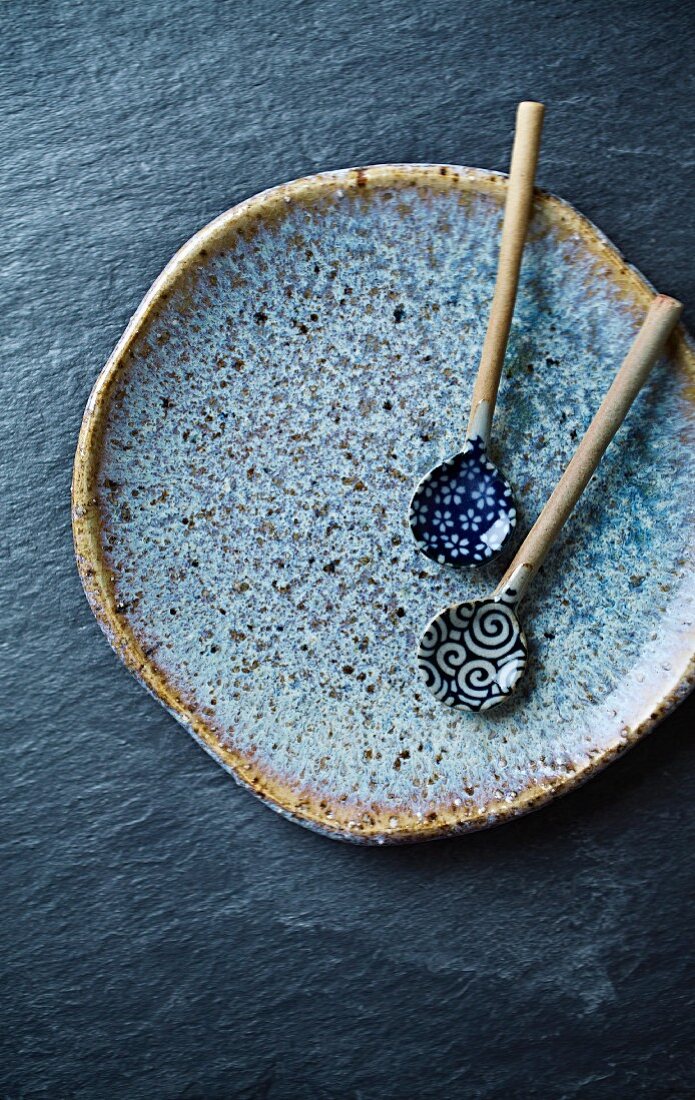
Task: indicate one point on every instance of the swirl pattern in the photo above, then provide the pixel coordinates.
(462, 513)
(472, 654)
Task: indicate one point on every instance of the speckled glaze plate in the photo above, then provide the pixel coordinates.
(243, 476)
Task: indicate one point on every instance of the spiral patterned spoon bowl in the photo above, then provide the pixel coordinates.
(472, 655)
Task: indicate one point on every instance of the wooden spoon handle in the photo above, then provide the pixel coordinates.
(517, 213)
(660, 321)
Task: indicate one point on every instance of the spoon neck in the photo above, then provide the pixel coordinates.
(512, 588)
(480, 424)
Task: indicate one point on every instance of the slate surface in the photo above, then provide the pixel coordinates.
(164, 935)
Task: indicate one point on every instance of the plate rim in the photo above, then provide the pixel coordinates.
(98, 582)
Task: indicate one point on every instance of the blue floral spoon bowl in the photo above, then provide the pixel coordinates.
(462, 512)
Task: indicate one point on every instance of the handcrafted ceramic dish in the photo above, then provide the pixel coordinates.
(245, 467)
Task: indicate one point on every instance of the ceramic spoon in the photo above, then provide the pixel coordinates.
(472, 654)
(462, 512)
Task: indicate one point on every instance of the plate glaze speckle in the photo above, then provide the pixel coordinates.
(244, 471)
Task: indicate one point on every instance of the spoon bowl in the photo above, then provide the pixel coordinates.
(471, 655)
(462, 512)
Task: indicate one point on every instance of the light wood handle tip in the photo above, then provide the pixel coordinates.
(527, 141)
(530, 114)
(660, 321)
(667, 306)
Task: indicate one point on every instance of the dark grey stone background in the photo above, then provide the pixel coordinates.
(165, 935)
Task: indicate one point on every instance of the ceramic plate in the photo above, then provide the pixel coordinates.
(243, 476)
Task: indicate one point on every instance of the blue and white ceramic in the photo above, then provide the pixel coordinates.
(472, 655)
(463, 512)
(244, 470)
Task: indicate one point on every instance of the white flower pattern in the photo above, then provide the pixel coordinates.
(484, 495)
(452, 495)
(470, 520)
(442, 520)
